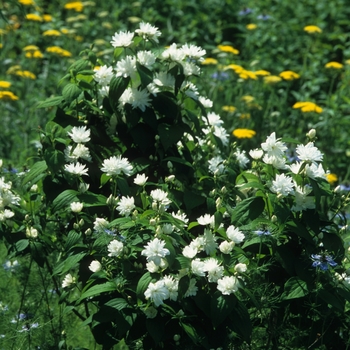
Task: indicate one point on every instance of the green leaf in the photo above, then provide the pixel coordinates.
(169, 134)
(155, 328)
(91, 199)
(118, 303)
(192, 200)
(54, 160)
(50, 102)
(145, 74)
(165, 104)
(240, 321)
(220, 307)
(247, 210)
(116, 88)
(22, 244)
(143, 284)
(71, 92)
(190, 331)
(68, 264)
(80, 65)
(37, 171)
(184, 283)
(72, 239)
(121, 346)
(98, 289)
(64, 199)
(104, 179)
(294, 288)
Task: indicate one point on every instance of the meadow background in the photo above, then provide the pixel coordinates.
(270, 66)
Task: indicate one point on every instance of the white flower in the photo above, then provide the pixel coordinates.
(172, 53)
(198, 267)
(95, 266)
(167, 229)
(68, 281)
(157, 292)
(226, 247)
(160, 196)
(206, 219)
(205, 102)
(309, 153)
(79, 151)
(6, 214)
(234, 234)
(313, 171)
(256, 153)
(100, 224)
(155, 250)
(146, 58)
(31, 232)
(295, 167)
(148, 32)
(140, 179)
(137, 98)
(216, 165)
(7, 198)
(126, 205)
(189, 251)
(122, 39)
(172, 285)
(273, 146)
(80, 134)
(189, 68)
(228, 285)
(276, 162)
(103, 75)
(241, 158)
(76, 207)
(76, 169)
(282, 185)
(209, 242)
(164, 79)
(116, 165)
(152, 267)
(302, 200)
(192, 289)
(181, 216)
(213, 119)
(213, 268)
(193, 51)
(104, 91)
(126, 67)
(150, 312)
(221, 133)
(153, 89)
(241, 268)
(115, 248)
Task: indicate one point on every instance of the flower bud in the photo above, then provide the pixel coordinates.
(223, 190)
(34, 188)
(154, 206)
(170, 178)
(311, 134)
(176, 337)
(153, 222)
(88, 232)
(81, 222)
(273, 218)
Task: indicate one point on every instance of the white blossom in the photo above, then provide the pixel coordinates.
(95, 266)
(126, 67)
(76, 207)
(140, 179)
(164, 79)
(103, 75)
(126, 205)
(282, 185)
(148, 32)
(192, 289)
(160, 196)
(273, 146)
(193, 51)
(234, 234)
(137, 98)
(240, 268)
(116, 165)
(157, 292)
(256, 153)
(68, 281)
(115, 248)
(154, 251)
(309, 153)
(80, 134)
(76, 169)
(79, 151)
(100, 224)
(122, 39)
(228, 285)
(146, 58)
(213, 269)
(198, 267)
(226, 247)
(206, 219)
(173, 53)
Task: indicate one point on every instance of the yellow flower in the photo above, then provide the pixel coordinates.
(13, 69)
(347, 61)
(30, 48)
(51, 32)
(33, 17)
(1, 46)
(25, 74)
(47, 18)
(272, 79)
(262, 72)
(238, 69)
(334, 64)
(59, 51)
(312, 29)
(4, 84)
(64, 30)
(34, 54)
(208, 61)
(251, 26)
(332, 178)
(247, 99)
(26, 2)
(75, 5)
(78, 38)
(247, 74)
(228, 48)
(289, 75)
(244, 116)
(8, 95)
(229, 109)
(308, 107)
(243, 133)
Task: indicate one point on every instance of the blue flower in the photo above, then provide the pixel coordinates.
(323, 261)
(262, 232)
(245, 11)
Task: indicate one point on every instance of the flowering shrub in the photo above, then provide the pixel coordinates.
(158, 231)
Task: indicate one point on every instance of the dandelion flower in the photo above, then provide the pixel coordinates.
(75, 5)
(312, 29)
(262, 72)
(8, 95)
(208, 61)
(51, 32)
(34, 17)
(243, 133)
(228, 48)
(251, 26)
(332, 178)
(272, 79)
(308, 107)
(229, 109)
(335, 65)
(289, 75)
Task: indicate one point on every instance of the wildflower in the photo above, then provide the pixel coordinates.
(228, 48)
(8, 95)
(26, 2)
(6, 214)
(189, 68)
(122, 39)
(335, 65)
(243, 133)
(220, 76)
(209, 61)
(308, 107)
(76, 169)
(95, 266)
(34, 17)
(192, 289)
(302, 200)
(173, 53)
(126, 205)
(80, 134)
(137, 98)
(213, 269)
(68, 281)
(148, 32)
(229, 109)
(160, 196)
(273, 146)
(332, 178)
(262, 232)
(206, 219)
(31, 232)
(9, 266)
(140, 179)
(115, 248)
(5, 84)
(164, 79)
(205, 102)
(256, 153)
(251, 26)
(51, 32)
(245, 11)
(47, 18)
(25, 74)
(76, 207)
(172, 285)
(226, 247)
(282, 185)
(312, 29)
(262, 72)
(228, 285)
(34, 54)
(272, 79)
(240, 268)
(323, 261)
(75, 5)
(59, 51)
(79, 151)
(247, 74)
(241, 158)
(155, 251)
(157, 292)
(146, 58)
(234, 234)
(116, 165)
(190, 251)
(309, 153)
(126, 67)
(289, 75)
(193, 51)
(103, 75)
